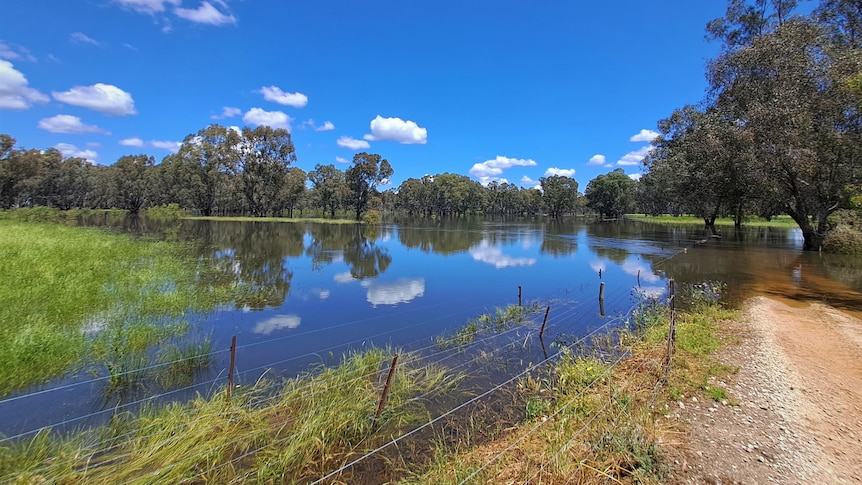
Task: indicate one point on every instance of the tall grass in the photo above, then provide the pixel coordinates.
(285, 432)
(74, 297)
(777, 221)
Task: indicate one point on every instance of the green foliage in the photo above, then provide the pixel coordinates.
(611, 194)
(167, 212)
(844, 239)
(559, 193)
(704, 294)
(371, 218)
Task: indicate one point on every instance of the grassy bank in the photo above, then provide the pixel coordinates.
(77, 297)
(777, 221)
(592, 416)
(272, 432)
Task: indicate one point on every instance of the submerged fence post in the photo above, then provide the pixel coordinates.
(520, 303)
(230, 369)
(639, 278)
(671, 333)
(544, 322)
(602, 298)
(386, 388)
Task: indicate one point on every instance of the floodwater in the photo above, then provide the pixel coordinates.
(311, 292)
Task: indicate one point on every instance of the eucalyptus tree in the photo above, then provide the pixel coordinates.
(611, 194)
(131, 181)
(787, 89)
(411, 197)
(329, 187)
(559, 194)
(203, 165)
(368, 171)
(265, 154)
(293, 190)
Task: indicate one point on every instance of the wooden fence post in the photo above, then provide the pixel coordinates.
(544, 322)
(520, 303)
(671, 333)
(386, 388)
(231, 368)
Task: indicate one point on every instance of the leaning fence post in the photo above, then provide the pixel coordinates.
(230, 369)
(386, 387)
(544, 322)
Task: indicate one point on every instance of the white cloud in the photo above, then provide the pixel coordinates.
(528, 182)
(104, 98)
(275, 119)
(599, 265)
(227, 112)
(635, 176)
(171, 146)
(15, 52)
(352, 143)
(493, 255)
(147, 6)
(69, 150)
(401, 291)
(487, 180)
(81, 38)
(205, 14)
(326, 126)
(492, 168)
(132, 142)
(396, 129)
(341, 160)
(635, 267)
(563, 172)
(634, 158)
(597, 159)
(277, 322)
(67, 124)
(344, 277)
(276, 95)
(14, 92)
(645, 135)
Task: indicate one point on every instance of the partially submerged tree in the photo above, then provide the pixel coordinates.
(368, 171)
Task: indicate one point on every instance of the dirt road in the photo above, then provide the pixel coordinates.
(799, 396)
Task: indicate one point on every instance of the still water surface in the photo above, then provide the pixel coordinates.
(314, 291)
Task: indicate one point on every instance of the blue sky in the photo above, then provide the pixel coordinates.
(491, 89)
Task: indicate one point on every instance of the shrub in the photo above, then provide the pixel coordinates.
(371, 217)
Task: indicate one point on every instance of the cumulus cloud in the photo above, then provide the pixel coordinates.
(132, 142)
(597, 159)
(14, 90)
(495, 167)
(205, 14)
(634, 158)
(563, 172)
(275, 119)
(81, 38)
(644, 135)
(635, 267)
(67, 124)
(227, 112)
(104, 98)
(396, 129)
(277, 322)
(341, 160)
(401, 291)
(528, 182)
(344, 277)
(171, 146)
(352, 143)
(326, 126)
(493, 255)
(147, 6)
(69, 150)
(276, 95)
(635, 176)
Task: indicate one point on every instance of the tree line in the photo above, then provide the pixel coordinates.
(780, 131)
(226, 171)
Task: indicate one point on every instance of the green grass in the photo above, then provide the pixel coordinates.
(272, 219)
(78, 297)
(777, 221)
(288, 432)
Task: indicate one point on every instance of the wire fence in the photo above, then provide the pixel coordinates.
(478, 355)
